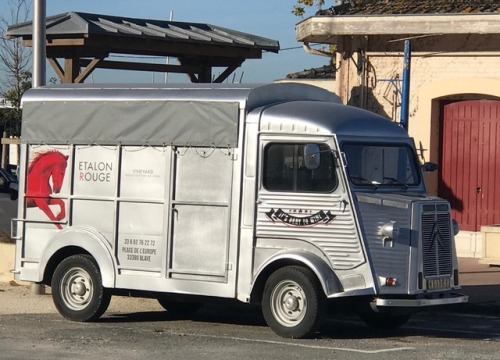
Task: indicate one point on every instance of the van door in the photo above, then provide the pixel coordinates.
(305, 207)
(200, 219)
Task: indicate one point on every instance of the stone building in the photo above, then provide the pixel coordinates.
(454, 91)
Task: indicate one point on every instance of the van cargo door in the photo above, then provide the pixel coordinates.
(200, 218)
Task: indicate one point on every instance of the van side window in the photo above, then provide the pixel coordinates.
(284, 169)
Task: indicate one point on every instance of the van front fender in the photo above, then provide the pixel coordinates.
(91, 241)
(326, 276)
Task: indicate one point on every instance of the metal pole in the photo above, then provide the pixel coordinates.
(39, 72)
(405, 92)
(39, 78)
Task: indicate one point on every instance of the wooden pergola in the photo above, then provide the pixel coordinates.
(78, 43)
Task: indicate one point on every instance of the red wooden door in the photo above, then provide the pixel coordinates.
(470, 162)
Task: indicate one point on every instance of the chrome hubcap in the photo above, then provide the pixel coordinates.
(76, 289)
(288, 303)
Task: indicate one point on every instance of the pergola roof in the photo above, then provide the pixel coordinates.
(84, 40)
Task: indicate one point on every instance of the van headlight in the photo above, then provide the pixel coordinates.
(388, 232)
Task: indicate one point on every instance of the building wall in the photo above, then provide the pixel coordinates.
(448, 64)
(369, 80)
(433, 78)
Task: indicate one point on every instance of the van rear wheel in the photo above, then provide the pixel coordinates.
(293, 303)
(77, 289)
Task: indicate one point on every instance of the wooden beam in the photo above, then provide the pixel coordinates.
(57, 42)
(57, 68)
(87, 70)
(226, 73)
(123, 65)
(205, 76)
(154, 47)
(71, 70)
(193, 78)
(9, 141)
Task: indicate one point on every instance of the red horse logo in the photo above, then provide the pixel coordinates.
(46, 166)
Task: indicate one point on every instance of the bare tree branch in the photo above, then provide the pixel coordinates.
(14, 57)
(14, 61)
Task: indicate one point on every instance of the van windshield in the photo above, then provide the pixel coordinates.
(378, 164)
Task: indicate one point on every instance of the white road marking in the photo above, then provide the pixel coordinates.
(283, 343)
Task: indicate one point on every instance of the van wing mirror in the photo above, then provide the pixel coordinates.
(429, 167)
(311, 156)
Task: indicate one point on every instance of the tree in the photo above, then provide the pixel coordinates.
(299, 9)
(14, 61)
(339, 6)
(11, 116)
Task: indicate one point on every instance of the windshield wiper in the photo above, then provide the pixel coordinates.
(393, 181)
(359, 180)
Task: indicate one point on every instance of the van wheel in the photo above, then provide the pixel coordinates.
(293, 303)
(77, 289)
(179, 308)
(383, 321)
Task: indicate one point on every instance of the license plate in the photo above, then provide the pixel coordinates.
(435, 284)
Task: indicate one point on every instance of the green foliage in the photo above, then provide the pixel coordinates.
(11, 121)
(299, 9)
(10, 118)
(15, 94)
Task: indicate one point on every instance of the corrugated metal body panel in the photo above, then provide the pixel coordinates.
(337, 238)
(469, 162)
(390, 259)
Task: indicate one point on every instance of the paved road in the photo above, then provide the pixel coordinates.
(138, 329)
(235, 332)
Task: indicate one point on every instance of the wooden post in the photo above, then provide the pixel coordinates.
(4, 151)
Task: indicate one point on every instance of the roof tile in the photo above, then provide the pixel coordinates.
(400, 7)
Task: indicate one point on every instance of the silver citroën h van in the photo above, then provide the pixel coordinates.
(275, 195)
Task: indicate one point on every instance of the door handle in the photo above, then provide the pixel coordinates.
(478, 189)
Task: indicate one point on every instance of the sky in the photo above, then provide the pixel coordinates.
(268, 18)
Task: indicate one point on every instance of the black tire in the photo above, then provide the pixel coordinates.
(383, 321)
(77, 289)
(293, 302)
(179, 308)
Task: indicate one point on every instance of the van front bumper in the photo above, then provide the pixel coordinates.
(449, 299)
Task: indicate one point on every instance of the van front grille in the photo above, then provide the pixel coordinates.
(436, 241)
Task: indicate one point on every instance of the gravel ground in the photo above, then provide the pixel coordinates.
(20, 299)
